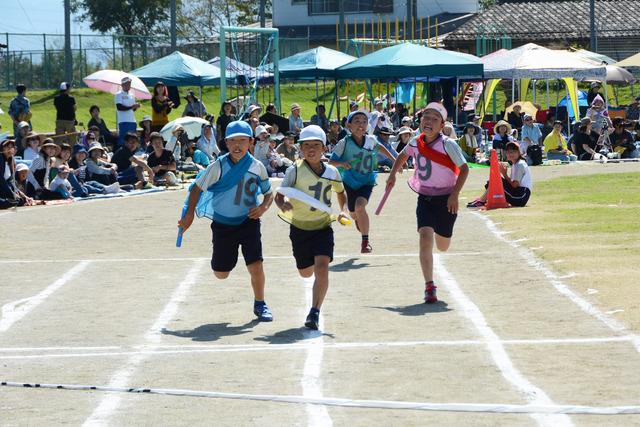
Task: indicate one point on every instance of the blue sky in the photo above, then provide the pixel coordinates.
(34, 16)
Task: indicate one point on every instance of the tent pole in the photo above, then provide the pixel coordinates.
(336, 96)
(606, 94)
(513, 90)
(548, 96)
(415, 90)
(535, 84)
(568, 98)
(316, 96)
(457, 99)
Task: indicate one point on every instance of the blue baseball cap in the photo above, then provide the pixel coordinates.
(238, 128)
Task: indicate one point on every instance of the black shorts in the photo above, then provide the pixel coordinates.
(227, 238)
(352, 195)
(432, 212)
(309, 244)
(517, 197)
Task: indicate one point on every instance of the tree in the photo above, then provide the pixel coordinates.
(203, 18)
(249, 12)
(486, 4)
(126, 17)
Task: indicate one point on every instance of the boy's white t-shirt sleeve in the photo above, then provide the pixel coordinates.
(338, 150)
(210, 176)
(517, 172)
(290, 176)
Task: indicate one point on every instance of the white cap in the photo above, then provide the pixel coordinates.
(64, 86)
(260, 129)
(407, 119)
(404, 129)
(125, 79)
(438, 108)
(21, 167)
(313, 133)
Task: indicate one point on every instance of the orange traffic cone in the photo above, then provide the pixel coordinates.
(495, 195)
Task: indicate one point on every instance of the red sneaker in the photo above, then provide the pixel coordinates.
(365, 247)
(430, 293)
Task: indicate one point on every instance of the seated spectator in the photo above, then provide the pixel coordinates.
(61, 184)
(405, 134)
(104, 135)
(475, 119)
(99, 170)
(548, 126)
(85, 187)
(320, 118)
(198, 157)
(333, 136)
(194, 107)
(501, 135)
(531, 133)
(22, 171)
(399, 115)
(276, 164)
(178, 143)
(274, 132)
(261, 145)
(32, 150)
(384, 134)
(622, 141)
(599, 115)
(145, 124)
(130, 168)
(449, 131)
(583, 145)
(64, 156)
(288, 148)
(10, 195)
(162, 162)
(517, 185)
(295, 121)
(515, 117)
(207, 143)
(632, 112)
(40, 172)
(469, 143)
(556, 145)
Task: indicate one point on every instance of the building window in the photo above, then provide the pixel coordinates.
(332, 7)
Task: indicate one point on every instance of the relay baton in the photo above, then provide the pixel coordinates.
(180, 229)
(383, 200)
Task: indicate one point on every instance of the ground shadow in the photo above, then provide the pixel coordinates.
(292, 336)
(419, 309)
(350, 264)
(212, 331)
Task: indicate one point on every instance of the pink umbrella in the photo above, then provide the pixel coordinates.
(109, 81)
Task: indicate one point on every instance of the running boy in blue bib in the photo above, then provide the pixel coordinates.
(355, 155)
(310, 232)
(227, 193)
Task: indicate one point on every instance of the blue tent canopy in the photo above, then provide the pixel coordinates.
(178, 69)
(566, 102)
(317, 63)
(411, 60)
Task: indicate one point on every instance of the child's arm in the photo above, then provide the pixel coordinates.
(398, 164)
(342, 201)
(187, 219)
(255, 213)
(452, 201)
(282, 204)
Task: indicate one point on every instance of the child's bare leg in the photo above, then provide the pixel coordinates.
(321, 283)
(221, 274)
(306, 272)
(442, 243)
(426, 252)
(257, 279)
(361, 215)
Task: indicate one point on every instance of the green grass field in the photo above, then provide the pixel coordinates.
(302, 93)
(588, 225)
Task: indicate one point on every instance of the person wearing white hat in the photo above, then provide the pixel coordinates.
(440, 172)
(65, 112)
(356, 155)
(295, 121)
(310, 231)
(126, 105)
(261, 145)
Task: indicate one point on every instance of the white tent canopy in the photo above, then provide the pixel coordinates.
(536, 62)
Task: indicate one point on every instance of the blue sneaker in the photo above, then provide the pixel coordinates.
(261, 310)
(313, 320)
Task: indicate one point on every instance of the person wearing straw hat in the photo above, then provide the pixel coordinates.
(227, 193)
(295, 121)
(10, 195)
(468, 143)
(310, 229)
(97, 169)
(194, 107)
(38, 180)
(32, 150)
(440, 173)
(126, 105)
(501, 135)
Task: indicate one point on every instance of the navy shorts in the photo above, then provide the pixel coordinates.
(226, 240)
(517, 197)
(309, 244)
(432, 212)
(352, 195)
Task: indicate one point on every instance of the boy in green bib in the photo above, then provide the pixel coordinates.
(310, 231)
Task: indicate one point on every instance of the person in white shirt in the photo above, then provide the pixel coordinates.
(61, 183)
(125, 106)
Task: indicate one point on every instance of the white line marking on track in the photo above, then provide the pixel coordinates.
(531, 393)
(284, 257)
(110, 403)
(16, 310)
(204, 348)
(496, 408)
(557, 283)
(317, 415)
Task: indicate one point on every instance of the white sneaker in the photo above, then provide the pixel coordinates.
(112, 189)
(280, 175)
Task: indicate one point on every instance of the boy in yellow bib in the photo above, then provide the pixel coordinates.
(310, 232)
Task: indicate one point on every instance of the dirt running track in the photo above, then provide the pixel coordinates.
(96, 294)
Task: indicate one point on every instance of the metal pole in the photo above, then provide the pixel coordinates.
(276, 69)
(8, 71)
(342, 25)
(458, 97)
(68, 56)
(263, 5)
(223, 66)
(173, 26)
(44, 61)
(113, 43)
(593, 42)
